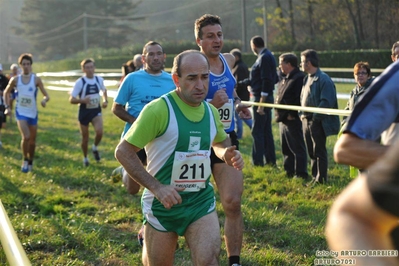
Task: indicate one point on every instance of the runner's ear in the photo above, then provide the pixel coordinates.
(175, 78)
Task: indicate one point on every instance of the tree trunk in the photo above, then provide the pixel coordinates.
(292, 23)
(357, 38)
(376, 38)
(310, 13)
(279, 7)
(359, 19)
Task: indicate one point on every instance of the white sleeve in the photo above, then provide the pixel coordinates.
(77, 88)
(102, 86)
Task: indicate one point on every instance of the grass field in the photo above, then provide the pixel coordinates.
(65, 214)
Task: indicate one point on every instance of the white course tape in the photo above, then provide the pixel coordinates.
(326, 111)
(9, 240)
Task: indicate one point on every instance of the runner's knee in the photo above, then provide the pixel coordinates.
(231, 203)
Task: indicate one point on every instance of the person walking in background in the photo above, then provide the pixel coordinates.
(127, 68)
(137, 90)
(3, 80)
(262, 80)
(3, 84)
(221, 94)
(176, 201)
(395, 51)
(86, 93)
(241, 73)
(26, 86)
(138, 62)
(15, 71)
(292, 142)
(318, 91)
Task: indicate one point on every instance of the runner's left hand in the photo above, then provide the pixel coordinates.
(233, 158)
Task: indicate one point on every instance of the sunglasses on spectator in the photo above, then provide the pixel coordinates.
(361, 73)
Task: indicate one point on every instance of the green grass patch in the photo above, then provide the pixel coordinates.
(66, 214)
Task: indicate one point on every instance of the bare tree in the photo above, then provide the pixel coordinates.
(376, 18)
(281, 10)
(355, 27)
(359, 19)
(292, 23)
(311, 23)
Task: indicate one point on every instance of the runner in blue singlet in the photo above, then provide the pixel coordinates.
(209, 37)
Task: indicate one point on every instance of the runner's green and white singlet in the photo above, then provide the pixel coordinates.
(180, 156)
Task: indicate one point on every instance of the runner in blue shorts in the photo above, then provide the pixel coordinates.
(26, 86)
(178, 198)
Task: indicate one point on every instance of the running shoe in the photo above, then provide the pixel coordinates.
(1, 145)
(25, 167)
(85, 162)
(96, 155)
(30, 167)
(117, 174)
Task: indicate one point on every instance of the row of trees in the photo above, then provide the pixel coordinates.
(59, 29)
(336, 24)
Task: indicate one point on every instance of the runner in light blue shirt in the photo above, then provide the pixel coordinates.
(136, 90)
(140, 88)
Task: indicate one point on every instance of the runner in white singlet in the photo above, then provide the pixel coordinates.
(26, 86)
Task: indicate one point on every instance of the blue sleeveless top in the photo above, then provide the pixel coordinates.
(225, 80)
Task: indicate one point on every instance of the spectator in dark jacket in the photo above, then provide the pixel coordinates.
(292, 142)
(263, 78)
(318, 91)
